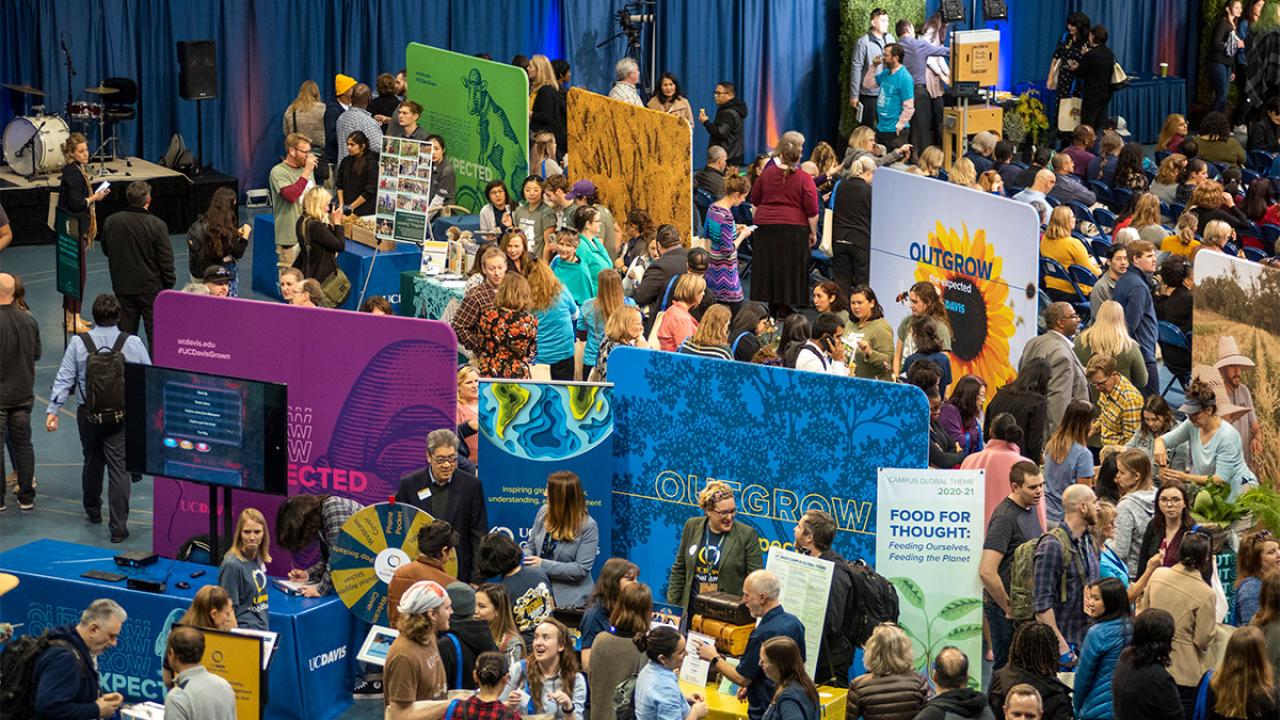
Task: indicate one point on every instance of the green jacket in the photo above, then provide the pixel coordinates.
(740, 556)
(878, 364)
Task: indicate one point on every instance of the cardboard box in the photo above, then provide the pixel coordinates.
(975, 57)
(366, 236)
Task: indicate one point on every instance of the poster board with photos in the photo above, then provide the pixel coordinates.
(404, 190)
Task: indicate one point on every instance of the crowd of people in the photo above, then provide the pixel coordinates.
(1101, 596)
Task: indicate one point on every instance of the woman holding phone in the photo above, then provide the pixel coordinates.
(77, 196)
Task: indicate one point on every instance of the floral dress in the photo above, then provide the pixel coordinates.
(508, 343)
(1067, 51)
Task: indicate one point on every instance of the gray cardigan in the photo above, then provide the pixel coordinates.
(864, 53)
(569, 565)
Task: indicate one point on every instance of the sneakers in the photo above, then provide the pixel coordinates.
(27, 505)
(367, 690)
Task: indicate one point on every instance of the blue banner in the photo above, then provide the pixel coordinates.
(528, 430)
(311, 673)
(787, 441)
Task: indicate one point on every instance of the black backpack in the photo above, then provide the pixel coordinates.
(624, 699)
(17, 686)
(104, 381)
(197, 242)
(872, 600)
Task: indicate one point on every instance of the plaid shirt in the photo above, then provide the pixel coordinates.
(334, 513)
(358, 119)
(1119, 413)
(1081, 569)
(473, 708)
(466, 322)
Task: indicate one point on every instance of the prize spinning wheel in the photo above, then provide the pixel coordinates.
(373, 543)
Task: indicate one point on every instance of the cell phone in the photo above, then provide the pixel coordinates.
(105, 186)
(197, 574)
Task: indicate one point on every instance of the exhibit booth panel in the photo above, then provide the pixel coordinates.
(787, 441)
(312, 670)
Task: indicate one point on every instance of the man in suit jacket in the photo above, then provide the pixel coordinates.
(1066, 381)
(674, 261)
(450, 494)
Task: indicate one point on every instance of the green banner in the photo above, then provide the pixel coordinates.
(481, 109)
(68, 254)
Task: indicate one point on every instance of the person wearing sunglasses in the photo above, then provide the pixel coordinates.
(716, 553)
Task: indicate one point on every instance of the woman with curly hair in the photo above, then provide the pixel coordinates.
(508, 333)
(1165, 183)
(924, 301)
(553, 307)
(555, 686)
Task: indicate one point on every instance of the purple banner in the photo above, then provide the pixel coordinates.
(364, 391)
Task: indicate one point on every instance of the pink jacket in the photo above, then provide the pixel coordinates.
(997, 458)
(677, 326)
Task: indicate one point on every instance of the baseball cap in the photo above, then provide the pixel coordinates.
(582, 188)
(343, 83)
(217, 275)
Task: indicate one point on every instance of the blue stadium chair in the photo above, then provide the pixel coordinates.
(1050, 268)
(942, 175)
(1260, 160)
(1176, 210)
(1172, 335)
(702, 201)
(1105, 220)
(1043, 302)
(1165, 211)
(1053, 201)
(1161, 155)
(1082, 213)
(1231, 249)
(1014, 190)
(1121, 197)
(1255, 254)
(1215, 169)
(1151, 175)
(1099, 246)
(1270, 234)
(1247, 176)
(1083, 276)
(1102, 190)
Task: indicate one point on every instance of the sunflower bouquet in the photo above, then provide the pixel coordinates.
(1028, 116)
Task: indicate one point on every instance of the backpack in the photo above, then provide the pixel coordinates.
(872, 600)
(457, 660)
(1022, 573)
(104, 380)
(197, 244)
(624, 699)
(17, 663)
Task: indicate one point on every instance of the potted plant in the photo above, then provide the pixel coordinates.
(1223, 518)
(1028, 119)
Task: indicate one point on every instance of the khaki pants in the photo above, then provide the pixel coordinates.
(285, 255)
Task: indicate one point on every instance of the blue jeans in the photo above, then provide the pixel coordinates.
(1220, 77)
(1001, 634)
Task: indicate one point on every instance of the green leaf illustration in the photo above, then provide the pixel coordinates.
(963, 632)
(907, 629)
(957, 609)
(909, 590)
(921, 661)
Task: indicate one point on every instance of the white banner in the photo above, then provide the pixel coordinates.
(929, 535)
(979, 250)
(806, 589)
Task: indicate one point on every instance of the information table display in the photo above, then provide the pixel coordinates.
(311, 673)
(833, 702)
(356, 261)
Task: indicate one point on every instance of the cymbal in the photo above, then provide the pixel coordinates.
(101, 90)
(24, 89)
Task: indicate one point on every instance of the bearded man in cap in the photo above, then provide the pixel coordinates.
(1231, 365)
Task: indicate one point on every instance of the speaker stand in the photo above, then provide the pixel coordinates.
(199, 164)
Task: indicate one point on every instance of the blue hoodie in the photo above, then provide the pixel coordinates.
(1098, 658)
(66, 685)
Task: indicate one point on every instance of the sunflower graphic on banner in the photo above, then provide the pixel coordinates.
(981, 253)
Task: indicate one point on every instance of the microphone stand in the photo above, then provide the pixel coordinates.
(71, 72)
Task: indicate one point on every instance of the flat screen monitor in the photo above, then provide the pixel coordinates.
(209, 429)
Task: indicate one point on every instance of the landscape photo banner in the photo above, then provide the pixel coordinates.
(775, 435)
(530, 429)
(363, 393)
(615, 143)
(1235, 324)
(481, 109)
(981, 253)
(929, 545)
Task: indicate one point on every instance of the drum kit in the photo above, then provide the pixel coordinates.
(33, 142)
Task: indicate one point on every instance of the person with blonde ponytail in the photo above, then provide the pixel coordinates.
(77, 197)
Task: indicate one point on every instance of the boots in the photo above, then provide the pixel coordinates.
(74, 323)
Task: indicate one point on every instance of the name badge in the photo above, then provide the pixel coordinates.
(424, 493)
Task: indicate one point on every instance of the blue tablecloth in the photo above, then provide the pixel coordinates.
(1144, 105)
(440, 226)
(312, 670)
(356, 261)
(1146, 102)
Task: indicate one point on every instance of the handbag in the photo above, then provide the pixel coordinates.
(335, 288)
(1069, 113)
(828, 219)
(1119, 78)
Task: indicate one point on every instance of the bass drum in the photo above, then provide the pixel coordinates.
(43, 154)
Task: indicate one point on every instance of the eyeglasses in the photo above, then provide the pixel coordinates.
(451, 460)
(724, 513)
(1171, 500)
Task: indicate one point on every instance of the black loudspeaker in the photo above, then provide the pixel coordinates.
(995, 9)
(952, 11)
(198, 69)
